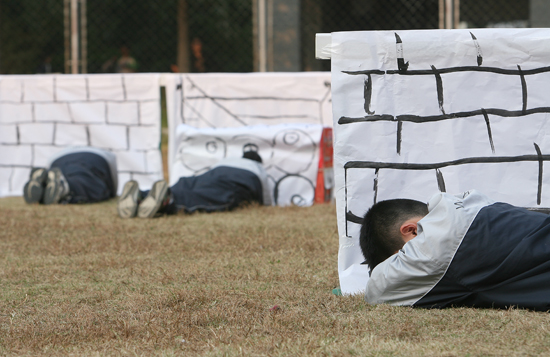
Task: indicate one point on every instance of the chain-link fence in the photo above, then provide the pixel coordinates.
(215, 35)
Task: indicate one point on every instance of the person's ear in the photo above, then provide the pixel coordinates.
(408, 230)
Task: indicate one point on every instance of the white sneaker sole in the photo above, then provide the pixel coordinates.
(127, 205)
(151, 204)
(54, 189)
(34, 188)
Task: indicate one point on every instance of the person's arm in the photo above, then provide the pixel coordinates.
(407, 276)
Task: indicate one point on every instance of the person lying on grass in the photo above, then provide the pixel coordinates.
(457, 250)
(81, 174)
(230, 183)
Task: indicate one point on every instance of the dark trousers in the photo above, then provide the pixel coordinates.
(220, 189)
(88, 175)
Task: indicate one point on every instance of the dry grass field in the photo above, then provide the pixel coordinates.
(77, 280)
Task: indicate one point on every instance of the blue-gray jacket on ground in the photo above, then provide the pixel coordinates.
(91, 173)
(228, 184)
(469, 251)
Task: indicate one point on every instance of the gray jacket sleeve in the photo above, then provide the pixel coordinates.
(408, 275)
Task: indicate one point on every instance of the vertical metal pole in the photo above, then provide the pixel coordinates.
(83, 38)
(449, 14)
(262, 35)
(74, 36)
(67, 34)
(441, 14)
(255, 39)
(270, 65)
(456, 19)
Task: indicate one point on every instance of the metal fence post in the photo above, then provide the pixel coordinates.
(449, 14)
(83, 38)
(74, 36)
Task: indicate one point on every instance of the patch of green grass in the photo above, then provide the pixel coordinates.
(76, 279)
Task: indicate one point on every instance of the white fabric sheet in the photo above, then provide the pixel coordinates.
(450, 110)
(214, 100)
(222, 100)
(290, 155)
(42, 114)
(259, 109)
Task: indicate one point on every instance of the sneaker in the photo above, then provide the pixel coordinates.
(157, 200)
(129, 200)
(34, 188)
(57, 187)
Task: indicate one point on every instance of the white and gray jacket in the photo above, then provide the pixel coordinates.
(469, 251)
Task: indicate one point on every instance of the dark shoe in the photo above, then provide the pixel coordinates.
(129, 200)
(157, 201)
(57, 187)
(34, 188)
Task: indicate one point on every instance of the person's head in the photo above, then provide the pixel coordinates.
(252, 155)
(387, 226)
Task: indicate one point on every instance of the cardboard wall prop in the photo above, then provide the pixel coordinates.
(219, 100)
(42, 114)
(290, 155)
(249, 103)
(417, 112)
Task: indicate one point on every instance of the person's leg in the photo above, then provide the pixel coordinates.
(159, 200)
(88, 176)
(145, 204)
(57, 187)
(33, 191)
(129, 200)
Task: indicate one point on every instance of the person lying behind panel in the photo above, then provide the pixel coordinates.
(230, 183)
(457, 250)
(74, 175)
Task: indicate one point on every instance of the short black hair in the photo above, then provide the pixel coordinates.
(380, 235)
(252, 155)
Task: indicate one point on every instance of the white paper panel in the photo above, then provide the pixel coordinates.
(290, 155)
(213, 100)
(420, 111)
(250, 100)
(42, 114)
